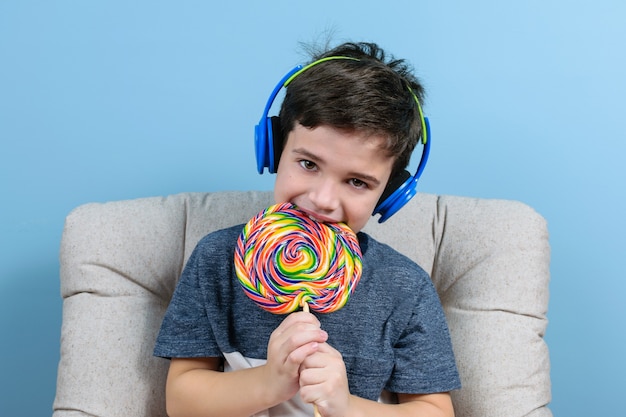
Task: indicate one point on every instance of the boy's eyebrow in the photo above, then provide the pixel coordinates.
(364, 177)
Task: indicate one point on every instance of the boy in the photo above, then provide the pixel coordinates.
(348, 125)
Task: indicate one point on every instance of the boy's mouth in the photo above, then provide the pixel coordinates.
(316, 217)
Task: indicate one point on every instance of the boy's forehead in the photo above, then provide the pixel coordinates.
(327, 136)
(373, 139)
(367, 137)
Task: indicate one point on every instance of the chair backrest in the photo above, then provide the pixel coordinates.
(120, 261)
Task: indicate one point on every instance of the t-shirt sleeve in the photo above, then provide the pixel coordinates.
(424, 359)
(185, 331)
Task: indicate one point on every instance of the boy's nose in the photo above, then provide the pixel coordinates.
(325, 196)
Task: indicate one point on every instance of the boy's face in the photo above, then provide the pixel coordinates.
(333, 175)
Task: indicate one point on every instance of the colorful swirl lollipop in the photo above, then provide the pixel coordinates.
(284, 259)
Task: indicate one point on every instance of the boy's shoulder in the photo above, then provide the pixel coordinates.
(234, 230)
(373, 247)
(221, 239)
(380, 255)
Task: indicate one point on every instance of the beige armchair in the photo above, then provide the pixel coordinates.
(489, 260)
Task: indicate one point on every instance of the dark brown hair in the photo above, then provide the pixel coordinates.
(370, 93)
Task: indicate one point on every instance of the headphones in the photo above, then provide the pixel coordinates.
(268, 147)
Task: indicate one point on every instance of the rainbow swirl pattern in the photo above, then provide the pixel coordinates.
(284, 259)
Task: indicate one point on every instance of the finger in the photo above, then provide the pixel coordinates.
(301, 316)
(300, 323)
(325, 365)
(324, 354)
(297, 335)
(325, 383)
(294, 340)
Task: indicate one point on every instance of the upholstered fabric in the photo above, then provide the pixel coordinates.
(489, 260)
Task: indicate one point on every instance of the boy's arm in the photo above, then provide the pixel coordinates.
(324, 382)
(197, 387)
(410, 405)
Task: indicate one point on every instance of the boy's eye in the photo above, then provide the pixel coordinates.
(357, 183)
(308, 165)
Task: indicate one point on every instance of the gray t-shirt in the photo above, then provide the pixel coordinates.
(392, 332)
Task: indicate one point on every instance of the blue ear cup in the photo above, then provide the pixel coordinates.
(268, 142)
(261, 145)
(407, 187)
(268, 146)
(264, 131)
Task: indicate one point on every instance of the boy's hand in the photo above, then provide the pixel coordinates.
(323, 381)
(295, 339)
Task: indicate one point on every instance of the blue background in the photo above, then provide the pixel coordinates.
(113, 100)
